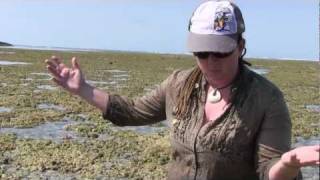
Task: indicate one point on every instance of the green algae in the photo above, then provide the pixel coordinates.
(123, 154)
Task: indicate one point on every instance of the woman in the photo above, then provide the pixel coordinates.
(226, 121)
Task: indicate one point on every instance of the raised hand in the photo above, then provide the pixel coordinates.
(302, 156)
(70, 78)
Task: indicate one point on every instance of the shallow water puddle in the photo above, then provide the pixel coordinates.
(8, 63)
(5, 109)
(309, 173)
(300, 141)
(50, 131)
(50, 106)
(261, 71)
(116, 71)
(50, 174)
(101, 82)
(38, 77)
(24, 84)
(4, 84)
(7, 52)
(117, 79)
(47, 87)
(121, 79)
(314, 108)
(150, 88)
(120, 75)
(45, 76)
(41, 74)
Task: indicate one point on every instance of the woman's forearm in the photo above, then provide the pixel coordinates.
(94, 96)
(280, 171)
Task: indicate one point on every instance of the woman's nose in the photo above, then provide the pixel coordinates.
(212, 58)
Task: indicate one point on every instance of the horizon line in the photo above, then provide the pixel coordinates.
(56, 48)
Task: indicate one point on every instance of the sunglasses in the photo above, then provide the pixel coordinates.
(205, 55)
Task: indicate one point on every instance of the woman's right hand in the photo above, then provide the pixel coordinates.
(302, 156)
(70, 78)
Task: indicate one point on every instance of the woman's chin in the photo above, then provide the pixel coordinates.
(217, 75)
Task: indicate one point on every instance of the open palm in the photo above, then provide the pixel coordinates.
(70, 78)
(302, 156)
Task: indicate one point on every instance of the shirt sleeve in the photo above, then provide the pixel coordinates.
(274, 138)
(148, 109)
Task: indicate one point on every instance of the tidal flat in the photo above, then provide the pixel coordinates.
(46, 132)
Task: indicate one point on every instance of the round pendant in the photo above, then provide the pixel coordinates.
(214, 96)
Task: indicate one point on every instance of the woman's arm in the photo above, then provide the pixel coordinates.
(94, 96)
(72, 80)
(287, 168)
(119, 110)
(274, 137)
(274, 159)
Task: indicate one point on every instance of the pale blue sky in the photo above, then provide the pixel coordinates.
(274, 28)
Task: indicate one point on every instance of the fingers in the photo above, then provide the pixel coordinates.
(54, 63)
(75, 64)
(55, 59)
(308, 155)
(53, 71)
(53, 67)
(59, 71)
(293, 157)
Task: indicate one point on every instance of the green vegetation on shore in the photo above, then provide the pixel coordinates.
(124, 154)
(5, 44)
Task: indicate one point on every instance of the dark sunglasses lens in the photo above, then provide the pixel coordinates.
(202, 55)
(205, 55)
(222, 55)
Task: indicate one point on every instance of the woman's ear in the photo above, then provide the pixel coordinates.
(241, 45)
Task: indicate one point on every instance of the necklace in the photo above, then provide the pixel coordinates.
(215, 95)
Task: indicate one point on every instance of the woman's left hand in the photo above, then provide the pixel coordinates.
(302, 156)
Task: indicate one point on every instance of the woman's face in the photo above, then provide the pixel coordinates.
(219, 70)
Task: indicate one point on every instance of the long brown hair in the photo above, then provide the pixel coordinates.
(190, 92)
